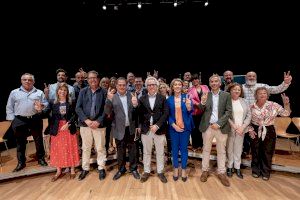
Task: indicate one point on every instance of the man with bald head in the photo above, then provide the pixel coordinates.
(251, 85)
(228, 79)
(249, 89)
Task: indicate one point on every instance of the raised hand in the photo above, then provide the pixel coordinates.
(188, 103)
(285, 99)
(46, 89)
(110, 94)
(38, 106)
(134, 99)
(155, 74)
(148, 74)
(83, 72)
(204, 97)
(287, 77)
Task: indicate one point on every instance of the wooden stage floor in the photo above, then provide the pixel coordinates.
(282, 185)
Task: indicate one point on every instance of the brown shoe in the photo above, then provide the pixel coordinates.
(145, 177)
(204, 176)
(72, 176)
(224, 180)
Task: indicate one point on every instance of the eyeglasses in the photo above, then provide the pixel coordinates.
(149, 85)
(92, 78)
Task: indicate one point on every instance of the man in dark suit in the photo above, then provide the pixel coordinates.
(153, 113)
(90, 111)
(122, 106)
(217, 108)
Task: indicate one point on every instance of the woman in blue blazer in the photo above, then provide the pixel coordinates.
(180, 126)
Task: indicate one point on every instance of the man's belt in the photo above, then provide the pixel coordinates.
(27, 117)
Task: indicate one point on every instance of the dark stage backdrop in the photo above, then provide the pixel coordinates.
(41, 36)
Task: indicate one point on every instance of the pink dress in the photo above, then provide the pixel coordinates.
(64, 148)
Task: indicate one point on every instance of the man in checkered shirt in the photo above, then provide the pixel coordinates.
(251, 85)
(249, 89)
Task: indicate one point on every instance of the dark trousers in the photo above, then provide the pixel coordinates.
(24, 128)
(169, 147)
(263, 151)
(122, 145)
(196, 135)
(139, 149)
(247, 144)
(107, 136)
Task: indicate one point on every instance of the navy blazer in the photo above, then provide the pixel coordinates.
(186, 115)
(55, 117)
(84, 104)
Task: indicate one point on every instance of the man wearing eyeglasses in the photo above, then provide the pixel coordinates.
(90, 111)
(24, 108)
(153, 112)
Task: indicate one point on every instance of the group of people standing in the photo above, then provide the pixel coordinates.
(140, 116)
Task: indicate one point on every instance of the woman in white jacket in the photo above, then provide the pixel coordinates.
(241, 117)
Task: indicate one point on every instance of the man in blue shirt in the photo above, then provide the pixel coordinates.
(24, 108)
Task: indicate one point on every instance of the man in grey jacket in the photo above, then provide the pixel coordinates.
(217, 108)
(122, 106)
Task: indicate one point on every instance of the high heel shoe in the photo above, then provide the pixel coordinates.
(175, 178)
(184, 179)
(57, 176)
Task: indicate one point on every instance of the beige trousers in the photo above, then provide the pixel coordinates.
(159, 142)
(234, 150)
(221, 138)
(88, 136)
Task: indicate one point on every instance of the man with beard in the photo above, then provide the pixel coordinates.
(50, 90)
(228, 79)
(251, 85)
(249, 89)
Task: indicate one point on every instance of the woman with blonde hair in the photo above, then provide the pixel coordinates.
(64, 148)
(180, 126)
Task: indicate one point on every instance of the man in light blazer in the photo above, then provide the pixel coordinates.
(122, 106)
(217, 109)
(153, 113)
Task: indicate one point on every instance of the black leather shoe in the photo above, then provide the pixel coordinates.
(239, 173)
(162, 178)
(265, 178)
(229, 172)
(19, 167)
(102, 174)
(184, 179)
(135, 174)
(175, 178)
(83, 174)
(42, 162)
(145, 177)
(255, 175)
(118, 175)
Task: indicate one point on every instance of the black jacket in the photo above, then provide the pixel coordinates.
(55, 117)
(159, 113)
